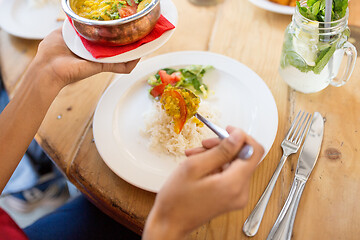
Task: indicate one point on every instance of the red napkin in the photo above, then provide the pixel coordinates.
(101, 51)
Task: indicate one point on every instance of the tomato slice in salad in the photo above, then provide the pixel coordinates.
(168, 79)
(158, 90)
(175, 106)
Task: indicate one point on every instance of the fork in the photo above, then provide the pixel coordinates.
(245, 152)
(290, 145)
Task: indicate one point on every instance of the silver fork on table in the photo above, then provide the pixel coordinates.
(290, 145)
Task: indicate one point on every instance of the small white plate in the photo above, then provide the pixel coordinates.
(20, 19)
(273, 7)
(241, 96)
(72, 40)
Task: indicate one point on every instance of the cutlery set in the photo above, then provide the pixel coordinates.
(300, 127)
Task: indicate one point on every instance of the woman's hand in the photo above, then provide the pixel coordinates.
(61, 66)
(201, 189)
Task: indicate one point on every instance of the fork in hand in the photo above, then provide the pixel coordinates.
(290, 145)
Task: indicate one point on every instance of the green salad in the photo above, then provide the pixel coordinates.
(190, 77)
(307, 49)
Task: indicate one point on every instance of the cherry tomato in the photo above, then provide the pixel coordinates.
(168, 79)
(165, 79)
(158, 90)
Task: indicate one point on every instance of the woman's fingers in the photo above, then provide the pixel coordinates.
(124, 68)
(216, 153)
(256, 157)
(235, 178)
(207, 144)
(230, 129)
(194, 151)
(211, 142)
(217, 156)
(239, 168)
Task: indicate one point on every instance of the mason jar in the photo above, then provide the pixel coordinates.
(313, 53)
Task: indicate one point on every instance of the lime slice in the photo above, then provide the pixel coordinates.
(294, 59)
(305, 43)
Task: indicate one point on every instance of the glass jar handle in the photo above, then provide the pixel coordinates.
(350, 52)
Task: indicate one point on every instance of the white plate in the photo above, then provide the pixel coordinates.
(241, 96)
(20, 19)
(273, 7)
(72, 40)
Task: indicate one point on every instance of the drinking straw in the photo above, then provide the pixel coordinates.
(328, 9)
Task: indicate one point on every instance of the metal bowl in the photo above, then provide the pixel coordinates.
(115, 32)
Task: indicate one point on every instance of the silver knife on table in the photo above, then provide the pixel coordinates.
(283, 226)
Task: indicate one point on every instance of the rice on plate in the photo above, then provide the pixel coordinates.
(161, 128)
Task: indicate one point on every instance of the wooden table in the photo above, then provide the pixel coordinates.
(329, 208)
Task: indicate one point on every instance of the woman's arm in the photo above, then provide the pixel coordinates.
(53, 67)
(21, 119)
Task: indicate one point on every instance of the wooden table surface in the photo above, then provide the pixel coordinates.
(329, 208)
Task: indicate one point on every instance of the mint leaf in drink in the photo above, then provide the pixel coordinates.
(323, 59)
(323, 4)
(306, 12)
(310, 3)
(315, 9)
(339, 8)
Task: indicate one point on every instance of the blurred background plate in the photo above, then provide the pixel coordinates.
(22, 19)
(273, 7)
